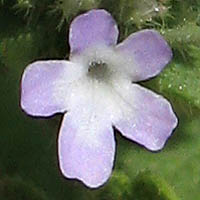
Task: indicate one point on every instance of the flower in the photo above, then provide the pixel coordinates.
(96, 90)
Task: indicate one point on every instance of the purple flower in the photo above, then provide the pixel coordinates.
(96, 91)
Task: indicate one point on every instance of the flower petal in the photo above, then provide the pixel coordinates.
(96, 27)
(151, 119)
(86, 148)
(44, 86)
(145, 54)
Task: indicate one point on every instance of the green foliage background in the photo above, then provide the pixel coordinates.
(38, 29)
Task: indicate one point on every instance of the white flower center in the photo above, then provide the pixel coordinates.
(100, 63)
(105, 63)
(99, 71)
(104, 80)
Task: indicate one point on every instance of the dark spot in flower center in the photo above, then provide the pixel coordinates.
(98, 70)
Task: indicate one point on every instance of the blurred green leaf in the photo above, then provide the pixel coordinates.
(119, 187)
(18, 189)
(18, 50)
(149, 186)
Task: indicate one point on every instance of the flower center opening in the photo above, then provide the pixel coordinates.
(98, 70)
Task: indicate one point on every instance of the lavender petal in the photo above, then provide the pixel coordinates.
(151, 121)
(96, 27)
(86, 149)
(146, 53)
(44, 86)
